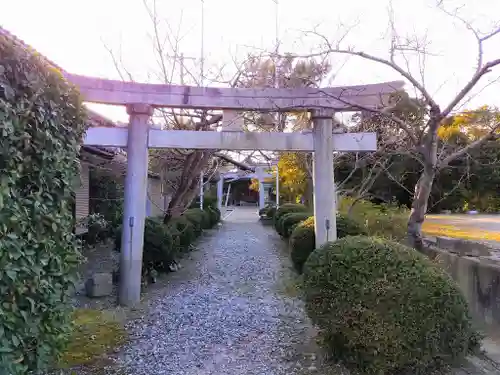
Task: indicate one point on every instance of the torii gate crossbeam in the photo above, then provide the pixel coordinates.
(141, 99)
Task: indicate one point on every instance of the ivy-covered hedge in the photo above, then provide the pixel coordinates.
(42, 121)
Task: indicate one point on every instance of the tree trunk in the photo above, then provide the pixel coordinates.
(424, 184)
(419, 208)
(188, 186)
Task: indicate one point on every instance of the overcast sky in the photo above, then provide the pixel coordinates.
(77, 34)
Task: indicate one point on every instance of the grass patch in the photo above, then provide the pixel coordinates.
(454, 231)
(95, 333)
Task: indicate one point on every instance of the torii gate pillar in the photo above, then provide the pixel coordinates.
(325, 225)
(135, 205)
(262, 194)
(220, 191)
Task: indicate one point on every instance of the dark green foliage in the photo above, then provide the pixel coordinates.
(214, 214)
(182, 228)
(303, 241)
(268, 211)
(159, 247)
(383, 308)
(199, 218)
(286, 209)
(42, 121)
(195, 219)
(208, 201)
(163, 243)
(289, 221)
(106, 198)
(271, 212)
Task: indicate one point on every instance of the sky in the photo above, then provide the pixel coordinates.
(84, 36)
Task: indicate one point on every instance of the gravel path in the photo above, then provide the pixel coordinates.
(232, 309)
(226, 312)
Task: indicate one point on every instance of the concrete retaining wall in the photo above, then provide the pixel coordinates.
(476, 269)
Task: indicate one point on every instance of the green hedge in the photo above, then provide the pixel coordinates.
(303, 240)
(383, 308)
(271, 212)
(183, 229)
(208, 201)
(43, 121)
(159, 250)
(199, 218)
(268, 211)
(288, 222)
(163, 243)
(286, 209)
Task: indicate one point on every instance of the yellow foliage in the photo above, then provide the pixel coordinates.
(438, 229)
(472, 124)
(292, 176)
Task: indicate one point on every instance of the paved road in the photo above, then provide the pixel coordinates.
(481, 221)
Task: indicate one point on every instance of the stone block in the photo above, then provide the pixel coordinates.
(463, 247)
(99, 285)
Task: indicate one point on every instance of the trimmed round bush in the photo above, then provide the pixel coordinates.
(263, 211)
(271, 212)
(198, 218)
(208, 201)
(159, 249)
(43, 121)
(383, 308)
(284, 209)
(303, 240)
(214, 215)
(218, 214)
(289, 221)
(183, 229)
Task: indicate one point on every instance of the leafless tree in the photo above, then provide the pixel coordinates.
(420, 135)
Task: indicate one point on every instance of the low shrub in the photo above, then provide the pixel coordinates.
(264, 212)
(196, 221)
(182, 228)
(284, 209)
(380, 220)
(214, 214)
(289, 221)
(208, 201)
(271, 212)
(303, 240)
(198, 217)
(159, 249)
(383, 308)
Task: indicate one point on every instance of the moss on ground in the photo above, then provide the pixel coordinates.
(95, 334)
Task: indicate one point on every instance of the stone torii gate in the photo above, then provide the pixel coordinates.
(140, 101)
